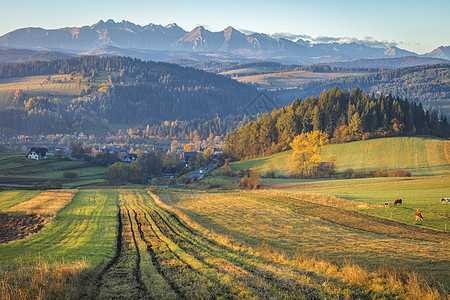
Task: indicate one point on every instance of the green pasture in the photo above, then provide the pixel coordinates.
(86, 228)
(422, 156)
(15, 164)
(10, 198)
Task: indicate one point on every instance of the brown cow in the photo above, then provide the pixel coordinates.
(418, 215)
(398, 201)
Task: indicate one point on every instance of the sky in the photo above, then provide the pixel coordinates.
(414, 25)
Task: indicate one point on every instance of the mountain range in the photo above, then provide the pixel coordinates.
(153, 41)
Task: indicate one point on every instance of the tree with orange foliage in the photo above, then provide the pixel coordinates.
(307, 151)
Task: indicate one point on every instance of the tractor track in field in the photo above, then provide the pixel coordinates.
(117, 253)
(118, 250)
(137, 267)
(154, 244)
(196, 248)
(153, 255)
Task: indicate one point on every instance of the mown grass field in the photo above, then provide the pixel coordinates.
(422, 156)
(421, 194)
(164, 255)
(47, 203)
(160, 253)
(10, 198)
(33, 86)
(294, 223)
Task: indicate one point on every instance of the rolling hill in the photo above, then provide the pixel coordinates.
(89, 92)
(429, 84)
(421, 156)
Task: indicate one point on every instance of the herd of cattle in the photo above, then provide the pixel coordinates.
(417, 213)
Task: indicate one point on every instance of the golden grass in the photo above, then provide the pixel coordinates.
(406, 284)
(447, 150)
(40, 280)
(321, 199)
(47, 203)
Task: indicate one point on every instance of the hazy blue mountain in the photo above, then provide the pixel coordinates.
(135, 38)
(440, 52)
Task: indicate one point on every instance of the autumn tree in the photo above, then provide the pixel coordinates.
(307, 151)
(188, 148)
(77, 149)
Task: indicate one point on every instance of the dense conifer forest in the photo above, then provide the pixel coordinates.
(343, 115)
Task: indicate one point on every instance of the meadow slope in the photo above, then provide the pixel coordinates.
(422, 156)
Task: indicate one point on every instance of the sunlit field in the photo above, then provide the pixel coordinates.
(296, 223)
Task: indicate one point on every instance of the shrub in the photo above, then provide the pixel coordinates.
(227, 171)
(251, 182)
(70, 174)
(348, 173)
(399, 173)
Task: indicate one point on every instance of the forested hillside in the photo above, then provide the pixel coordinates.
(135, 92)
(344, 116)
(429, 84)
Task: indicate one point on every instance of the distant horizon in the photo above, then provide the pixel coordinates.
(409, 25)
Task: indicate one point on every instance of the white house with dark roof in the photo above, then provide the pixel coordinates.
(37, 153)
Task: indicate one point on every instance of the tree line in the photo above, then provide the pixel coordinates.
(342, 115)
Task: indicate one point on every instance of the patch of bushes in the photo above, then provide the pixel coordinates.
(251, 182)
(70, 174)
(399, 173)
(47, 185)
(349, 173)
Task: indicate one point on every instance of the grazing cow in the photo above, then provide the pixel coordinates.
(386, 204)
(418, 215)
(398, 201)
(445, 200)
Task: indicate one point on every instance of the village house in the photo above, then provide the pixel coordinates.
(187, 156)
(37, 153)
(129, 158)
(169, 172)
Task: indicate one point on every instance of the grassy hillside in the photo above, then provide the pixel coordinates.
(421, 156)
(15, 168)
